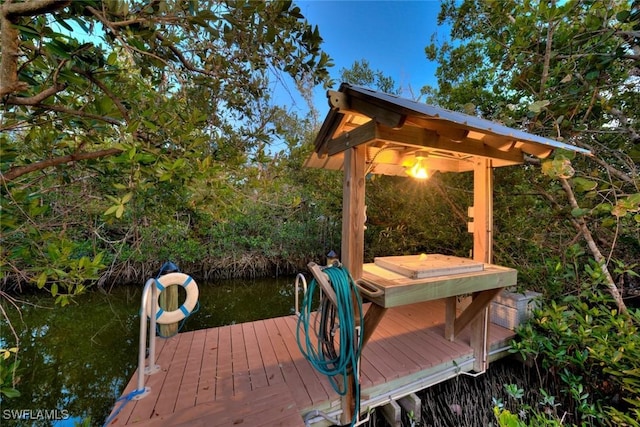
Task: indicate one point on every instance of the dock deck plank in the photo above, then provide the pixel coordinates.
(207, 379)
(309, 377)
(254, 374)
(144, 408)
(288, 369)
(190, 381)
(327, 390)
(270, 406)
(224, 372)
(240, 364)
(172, 384)
(255, 364)
(271, 366)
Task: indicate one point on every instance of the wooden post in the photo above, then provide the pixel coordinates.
(392, 413)
(353, 215)
(413, 405)
(168, 300)
(450, 318)
(483, 211)
(482, 250)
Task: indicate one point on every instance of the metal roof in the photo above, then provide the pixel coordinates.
(394, 128)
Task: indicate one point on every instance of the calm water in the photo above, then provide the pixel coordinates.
(77, 360)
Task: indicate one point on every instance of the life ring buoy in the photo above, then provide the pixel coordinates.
(165, 317)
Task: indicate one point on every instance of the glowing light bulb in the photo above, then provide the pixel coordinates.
(418, 170)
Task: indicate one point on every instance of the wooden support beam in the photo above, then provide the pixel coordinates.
(477, 307)
(501, 143)
(350, 105)
(413, 406)
(483, 211)
(353, 217)
(168, 300)
(380, 115)
(338, 100)
(360, 135)
(353, 211)
(392, 413)
(372, 318)
(477, 149)
(419, 138)
(407, 135)
(538, 150)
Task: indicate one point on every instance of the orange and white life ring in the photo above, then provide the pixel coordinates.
(165, 317)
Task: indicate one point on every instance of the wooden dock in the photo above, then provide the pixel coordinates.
(253, 373)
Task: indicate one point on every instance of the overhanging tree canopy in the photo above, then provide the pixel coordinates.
(135, 72)
(106, 104)
(567, 70)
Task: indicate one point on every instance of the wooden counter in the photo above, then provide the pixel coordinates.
(398, 281)
(397, 289)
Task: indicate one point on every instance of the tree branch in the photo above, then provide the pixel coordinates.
(187, 64)
(613, 171)
(10, 39)
(625, 123)
(593, 247)
(119, 105)
(108, 24)
(165, 20)
(36, 99)
(547, 59)
(31, 8)
(183, 60)
(78, 113)
(17, 172)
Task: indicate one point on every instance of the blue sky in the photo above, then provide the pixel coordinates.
(390, 35)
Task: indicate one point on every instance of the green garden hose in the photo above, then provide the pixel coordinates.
(331, 342)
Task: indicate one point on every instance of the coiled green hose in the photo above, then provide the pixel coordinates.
(331, 342)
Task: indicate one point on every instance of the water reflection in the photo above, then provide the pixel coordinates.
(75, 361)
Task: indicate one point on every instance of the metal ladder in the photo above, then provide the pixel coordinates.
(151, 368)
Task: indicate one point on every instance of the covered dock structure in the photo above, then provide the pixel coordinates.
(415, 331)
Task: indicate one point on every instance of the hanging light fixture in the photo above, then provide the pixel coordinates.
(419, 168)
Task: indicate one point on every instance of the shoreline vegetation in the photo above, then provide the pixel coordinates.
(246, 266)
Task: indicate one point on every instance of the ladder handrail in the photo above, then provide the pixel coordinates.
(152, 368)
(300, 277)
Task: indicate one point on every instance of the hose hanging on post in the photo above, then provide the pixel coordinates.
(332, 343)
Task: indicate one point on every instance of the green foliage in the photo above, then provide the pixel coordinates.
(527, 416)
(409, 217)
(590, 353)
(564, 70)
(122, 122)
(34, 228)
(85, 422)
(361, 74)
(506, 419)
(8, 372)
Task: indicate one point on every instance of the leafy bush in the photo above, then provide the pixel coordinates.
(527, 415)
(589, 353)
(8, 366)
